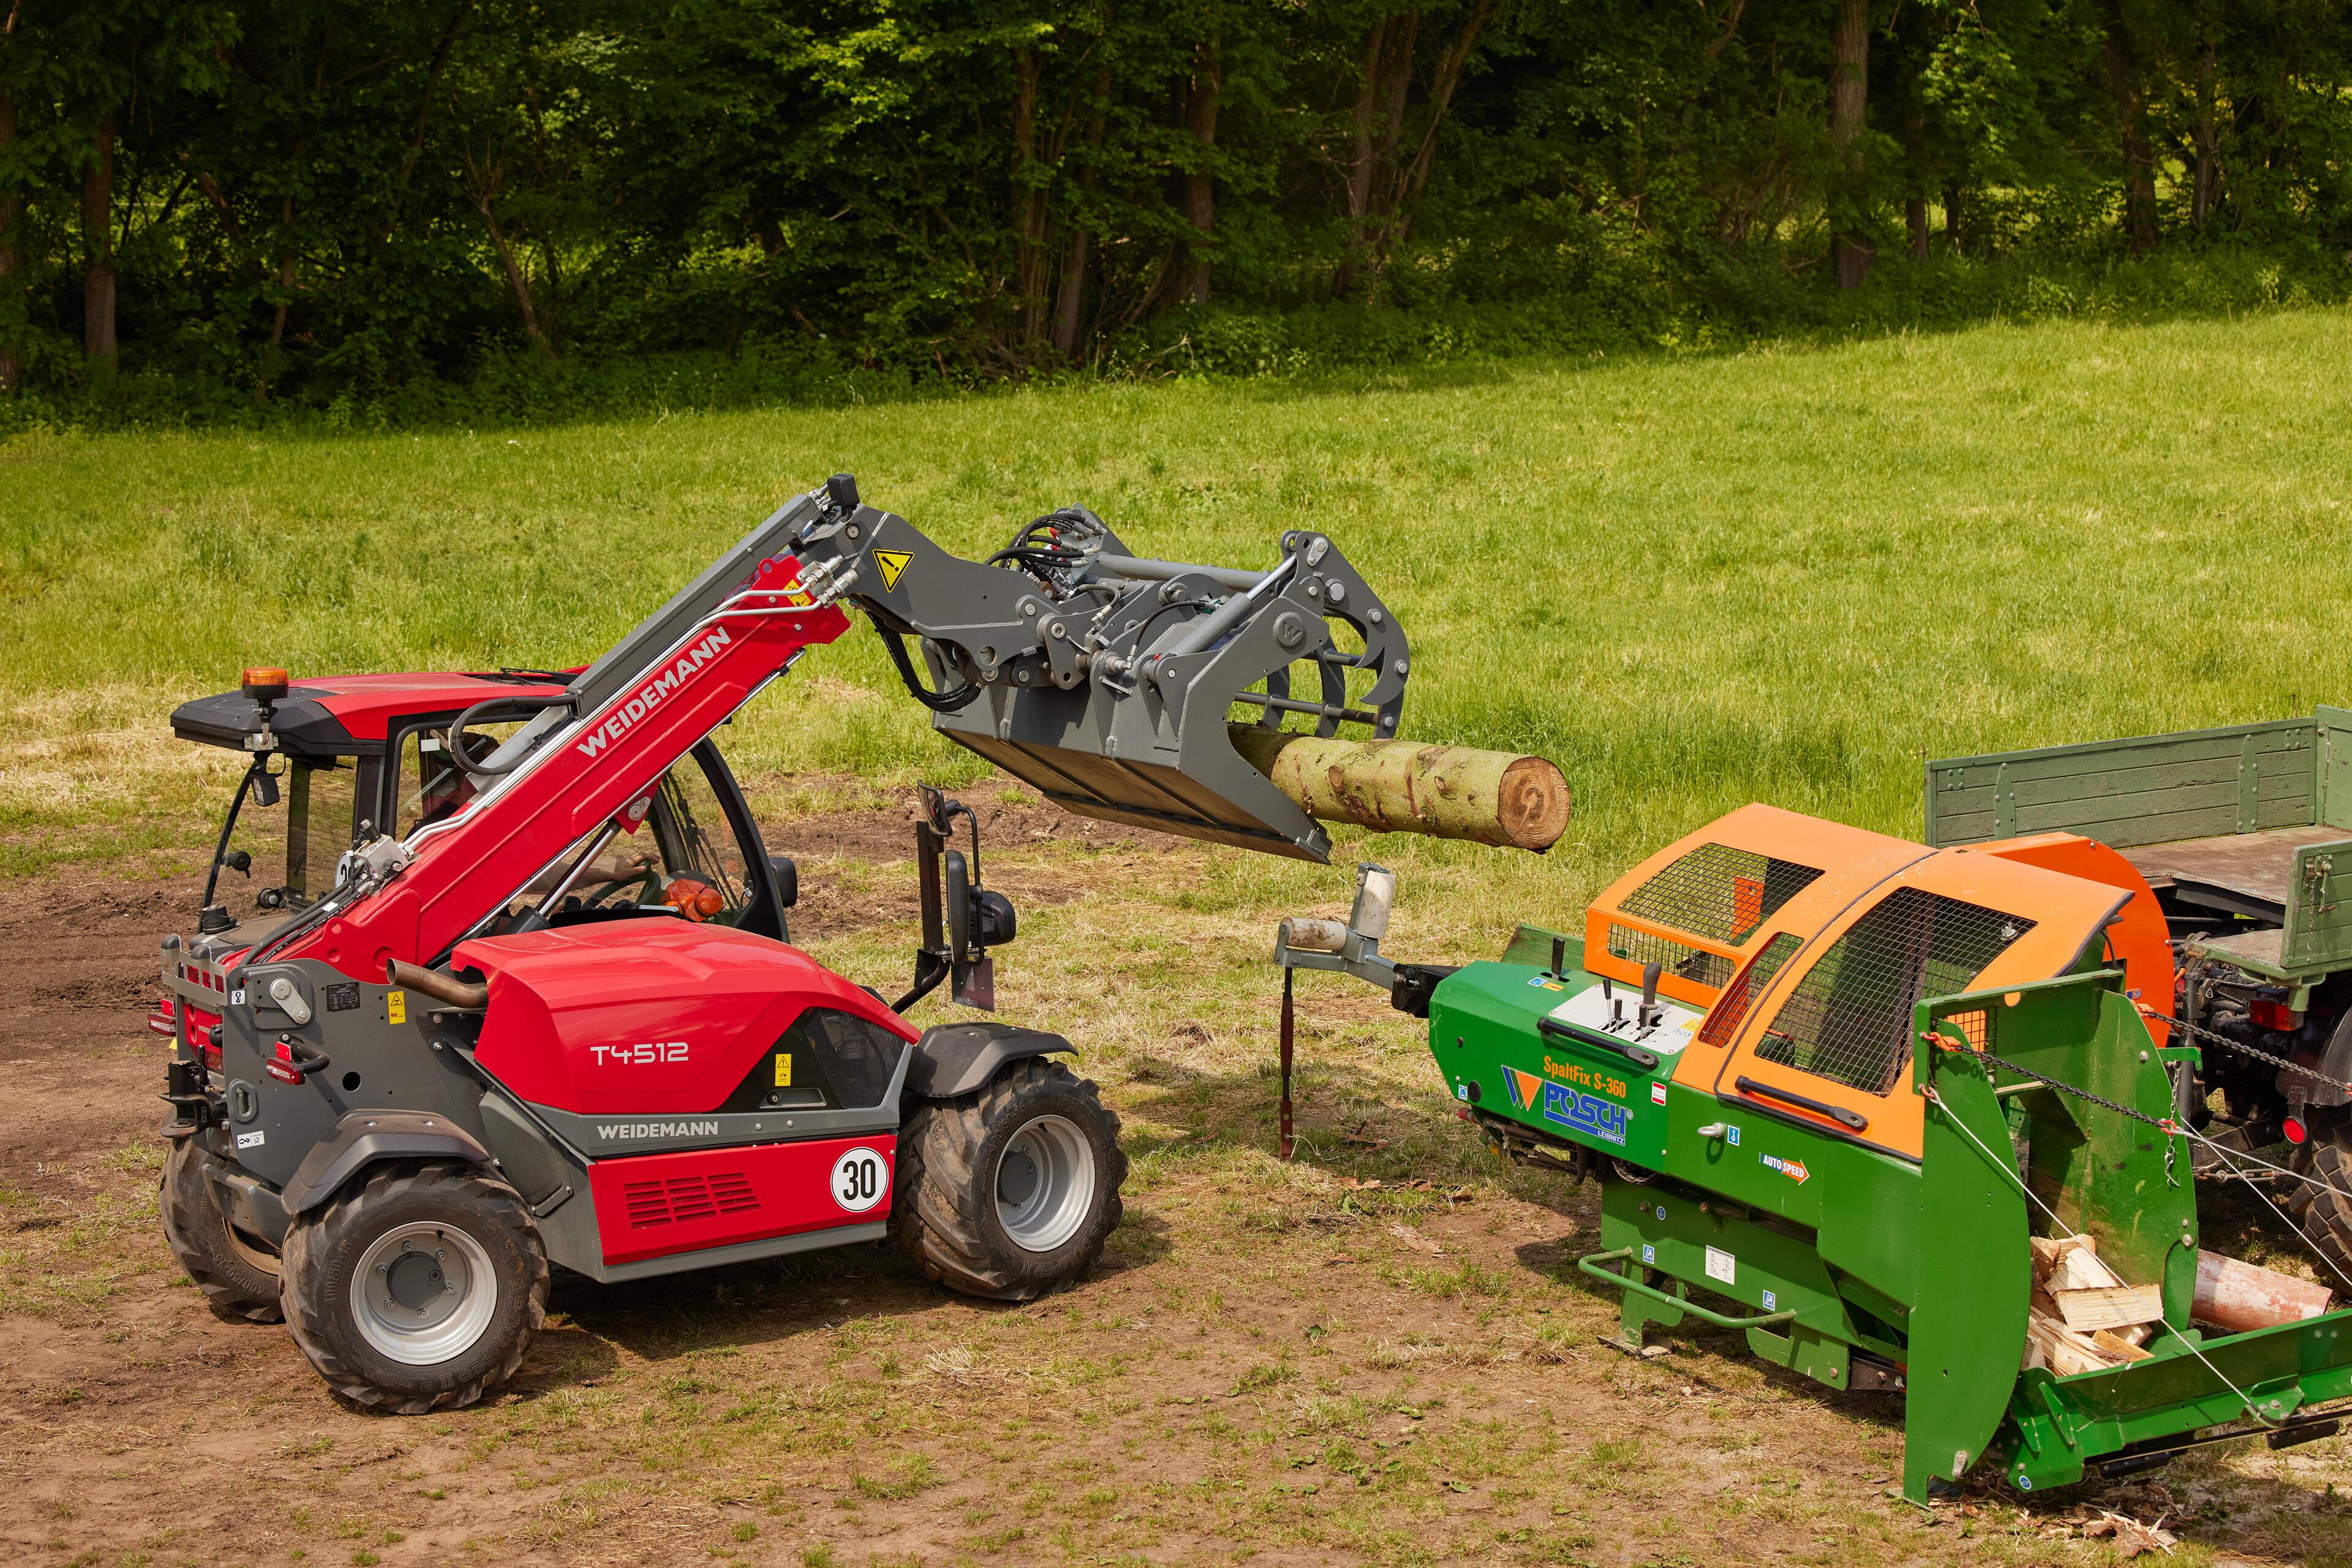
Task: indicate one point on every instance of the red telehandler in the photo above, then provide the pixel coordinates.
(522, 993)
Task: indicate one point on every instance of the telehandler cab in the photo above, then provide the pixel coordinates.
(517, 988)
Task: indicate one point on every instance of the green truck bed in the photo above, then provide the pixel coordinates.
(2250, 819)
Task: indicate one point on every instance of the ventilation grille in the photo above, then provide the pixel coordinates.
(1849, 1019)
(1731, 1010)
(1709, 969)
(1719, 892)
(680, 1200)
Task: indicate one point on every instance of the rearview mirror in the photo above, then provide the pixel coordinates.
(788, 880)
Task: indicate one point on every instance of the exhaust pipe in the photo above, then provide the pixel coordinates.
(440, 987)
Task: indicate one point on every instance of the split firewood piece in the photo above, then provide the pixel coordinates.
(2109, 1306)
(2115, 1345)
(2061, 1348)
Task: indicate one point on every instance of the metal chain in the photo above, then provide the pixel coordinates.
(2240, 1048)
(2162, 1125)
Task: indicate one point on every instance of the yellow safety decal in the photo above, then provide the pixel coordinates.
(783, 1072)
(396, 1006)
(893, 564)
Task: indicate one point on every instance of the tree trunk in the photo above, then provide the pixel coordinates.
(1029, 202)
(1848, 116)
(1442, 83)
(97, 244)
(1200, 182)
(1952, 219)
(2131, 116)
(1069, 306)
(441, 53)
(2208, 193)
(1359, 163)
(285, 272)
(515, 281)
(1915, 175)
(11, 208)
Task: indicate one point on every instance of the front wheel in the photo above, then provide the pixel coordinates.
(1008, 1193)
(417, 1289)
(237, 1272)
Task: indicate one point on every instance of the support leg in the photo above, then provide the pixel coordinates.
(1282, 1111)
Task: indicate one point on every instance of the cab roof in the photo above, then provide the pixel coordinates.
(353, 715)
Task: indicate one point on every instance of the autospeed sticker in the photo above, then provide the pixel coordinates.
(860, 1180)
(1792, 1169)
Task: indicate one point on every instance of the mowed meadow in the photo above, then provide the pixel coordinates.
(1780, 575)
(1787, 575)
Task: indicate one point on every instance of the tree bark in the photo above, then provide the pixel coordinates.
(2131, 116)
(11, 208)
(1200, 182)
(1359, 163)
(1029, 202)
(2207, 194)
(97, 244)
(1442, 83)
(441, 53)
(285, 272)
(1069, 306)
(1402, 786)
(515, 279)
(1849, 117)
(1914, 174)
(1952, 234)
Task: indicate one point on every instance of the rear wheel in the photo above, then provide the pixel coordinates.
(2326, 1217)
(417, 1289)
(1010, 1192)
(237, 1272)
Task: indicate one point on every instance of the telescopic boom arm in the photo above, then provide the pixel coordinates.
(1104, 679)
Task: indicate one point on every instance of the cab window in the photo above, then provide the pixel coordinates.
(426, 788)
(683, 859)
(291, 834)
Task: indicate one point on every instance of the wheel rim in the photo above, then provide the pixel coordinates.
(423, 1293)
(1044, 1183)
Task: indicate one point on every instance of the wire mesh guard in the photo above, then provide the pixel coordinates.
(1710, 969)
(1849, 1019)
(1722, 1025)
(1718, 892)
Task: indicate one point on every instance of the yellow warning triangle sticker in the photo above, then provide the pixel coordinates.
(893, 564)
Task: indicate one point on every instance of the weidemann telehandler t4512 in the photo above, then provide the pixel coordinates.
(522, 993)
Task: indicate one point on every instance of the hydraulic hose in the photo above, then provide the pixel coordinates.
(440, 987)
(937, 701)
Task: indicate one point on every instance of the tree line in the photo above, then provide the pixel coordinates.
(279, 194)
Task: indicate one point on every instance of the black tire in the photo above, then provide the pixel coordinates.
(468, 1231)
(951, 1167)
(2326, 1216)
(238, 1274)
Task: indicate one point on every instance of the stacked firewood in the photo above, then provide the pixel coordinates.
(2083, 1318)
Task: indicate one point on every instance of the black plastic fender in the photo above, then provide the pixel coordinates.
(364, 1137)
(2335, 1066)
(953, 1060)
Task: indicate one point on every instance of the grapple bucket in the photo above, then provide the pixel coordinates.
(1106, 680)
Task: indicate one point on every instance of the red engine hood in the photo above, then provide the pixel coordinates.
(645, 1015)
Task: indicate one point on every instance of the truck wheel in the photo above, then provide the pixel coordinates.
(2326, 1216)
(418, 1289)
(238, 1274)
(1007, 1193)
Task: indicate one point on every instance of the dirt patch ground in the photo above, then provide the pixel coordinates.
(1377, 1354)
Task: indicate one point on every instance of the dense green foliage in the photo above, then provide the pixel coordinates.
(309, 200)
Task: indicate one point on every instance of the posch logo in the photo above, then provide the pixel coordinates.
(650, 696)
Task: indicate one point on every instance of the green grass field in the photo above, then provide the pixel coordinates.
(1787, 576)
(1777, 575)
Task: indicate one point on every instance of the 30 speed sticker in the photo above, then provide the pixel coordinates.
(860, 1180)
